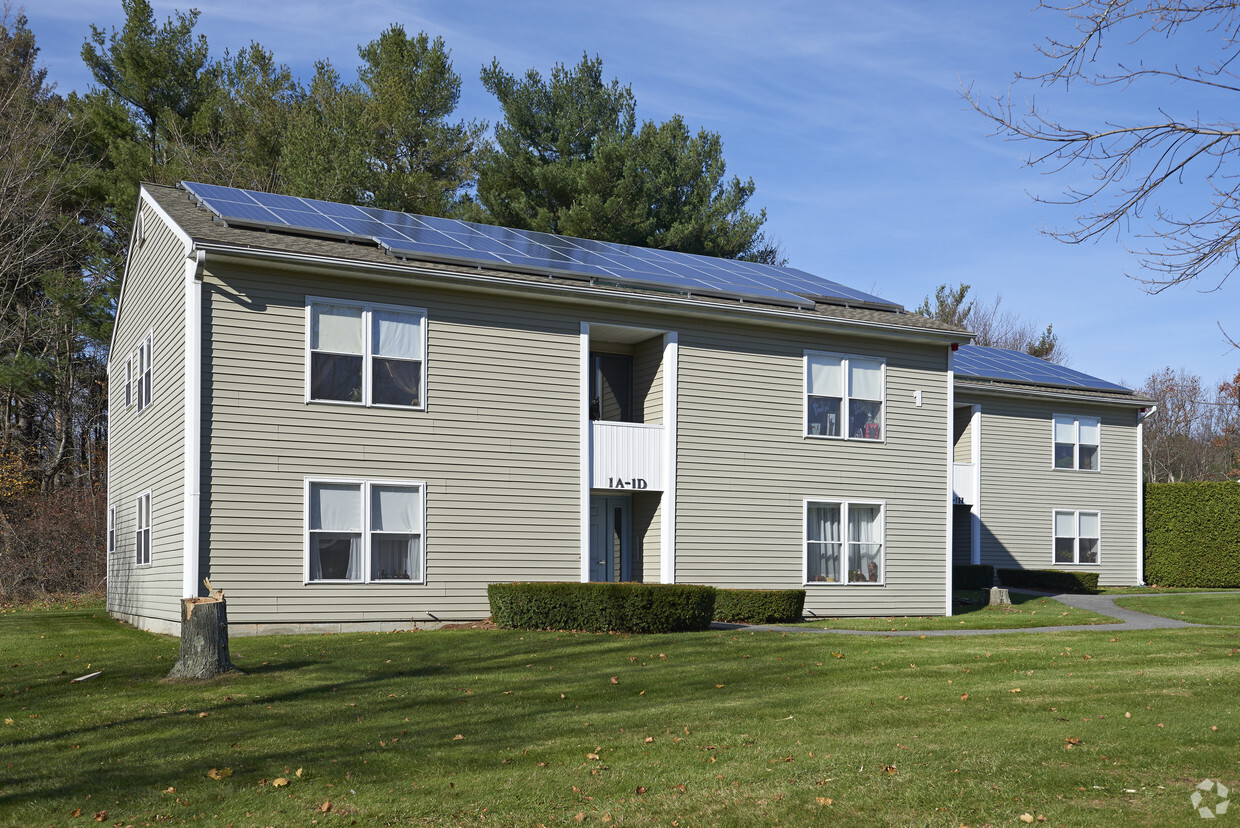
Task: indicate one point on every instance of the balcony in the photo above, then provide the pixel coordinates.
(626, 456)
(963, 492)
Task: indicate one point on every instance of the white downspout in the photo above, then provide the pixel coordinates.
(950, 431)
(192, 437)
(587, 449)
(667, 528)
(975, 511)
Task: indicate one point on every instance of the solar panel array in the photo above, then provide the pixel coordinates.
(461, 242)
(1015, 366)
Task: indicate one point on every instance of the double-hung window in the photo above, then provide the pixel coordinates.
(1077, 537)
(1076, 442)
(111, 530)
(843, 542)
(844, 396)
(363, 531)
(129, 382)
(365, 354)
(142, 378)
(142, 535)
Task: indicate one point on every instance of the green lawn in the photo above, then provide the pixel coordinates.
(1024, 611)
(1197, 609)
(518, 728)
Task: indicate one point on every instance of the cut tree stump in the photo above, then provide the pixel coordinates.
(204, 637)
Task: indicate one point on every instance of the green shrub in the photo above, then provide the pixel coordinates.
(598, 607)
(1051, 580)
(759, 606)
(1192, 534)
(973, 576)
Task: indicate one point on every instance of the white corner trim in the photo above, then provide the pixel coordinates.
(192, 436)
(667, 527)
(583, 416)
(975, 512)
(950, 448)
(1140, 545)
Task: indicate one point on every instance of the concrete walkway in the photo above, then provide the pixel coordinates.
(1130, 620)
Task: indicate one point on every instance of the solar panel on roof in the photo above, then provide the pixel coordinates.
(982, 362)
(449, 240)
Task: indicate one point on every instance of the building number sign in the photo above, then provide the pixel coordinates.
(631, 483)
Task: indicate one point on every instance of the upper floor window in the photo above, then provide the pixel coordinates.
(129, 382)
(1077, 535)
(844, 396)
(364, 531)
(142, 535)
(365, 354)
(1076, 442)
(843, 542)
(142, 378)
(111, 530)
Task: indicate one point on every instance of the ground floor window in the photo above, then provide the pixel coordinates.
(1077, 536)
(363, 531)
(843, 542)
(142, 535)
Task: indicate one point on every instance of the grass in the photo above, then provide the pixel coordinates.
(1197, 609)
(518, 728)
(1024, 611)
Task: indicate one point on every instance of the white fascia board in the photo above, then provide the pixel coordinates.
(965, 388)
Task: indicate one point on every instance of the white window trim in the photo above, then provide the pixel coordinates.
(844, 407)
(144, 394)
(365, 484)
(129, 381)
(111, 536)
(1076, 443)
(139, 529)
(844, 504)
(1076, 545)
(367, 351)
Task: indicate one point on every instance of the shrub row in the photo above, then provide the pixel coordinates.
(973, 576)
(759, 606)
(598, 607)
(1051, 580)
(1192, 534)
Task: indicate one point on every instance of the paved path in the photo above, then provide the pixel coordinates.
(1101, 604)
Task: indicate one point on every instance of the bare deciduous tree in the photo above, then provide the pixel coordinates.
(1135, 163)
(995, 327)
(1193, 433)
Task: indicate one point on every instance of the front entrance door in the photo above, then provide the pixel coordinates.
(611, 547)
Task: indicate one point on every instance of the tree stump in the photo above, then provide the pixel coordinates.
(204, 637)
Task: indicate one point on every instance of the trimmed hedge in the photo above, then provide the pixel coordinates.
(973, 576)
(759, 606)
(600, 607)
(1192, 534)
(1051, 580)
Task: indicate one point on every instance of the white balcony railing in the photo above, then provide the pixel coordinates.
(963, 492)
(626, 456)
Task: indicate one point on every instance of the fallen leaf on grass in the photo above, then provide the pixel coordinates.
(75, 813)
(325, 807)
(170, 789)
(580, 817)
(824, 800)
(650, 739)
(279, 782)
(1014, 690)
(203, 715)
(964, 696)
(837, 655)
(641, 789)
(1071, 742)
(615, 679)
(1026, 817)
(100, 816)
(298, 774)
(458, 737)
(890, 770)
(219, 773)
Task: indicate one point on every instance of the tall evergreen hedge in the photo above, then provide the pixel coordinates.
(1192, 534)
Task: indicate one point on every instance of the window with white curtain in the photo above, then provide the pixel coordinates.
(142, 380)
(843, 542)
(1077, 537)
(142, 532)
(365, 354)
(844, 396)
(363, 531)
(1076, 442)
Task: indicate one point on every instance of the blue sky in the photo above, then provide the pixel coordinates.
(848, 116)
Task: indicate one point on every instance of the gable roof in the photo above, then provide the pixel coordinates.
(980, 366)
(260, 239)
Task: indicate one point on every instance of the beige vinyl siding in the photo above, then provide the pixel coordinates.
(146, 449)
(648, 380)
(745, 468)
(497, 447)
(1021, 489)
(963, 435)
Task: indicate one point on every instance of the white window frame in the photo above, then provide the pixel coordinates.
(845, 426)
(1076, 442)
(844, 504)
(111, 530)
(129, 381)
(368, 309)
(366, 485)
(143, 389)
(1076, 538)
(142, 533)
